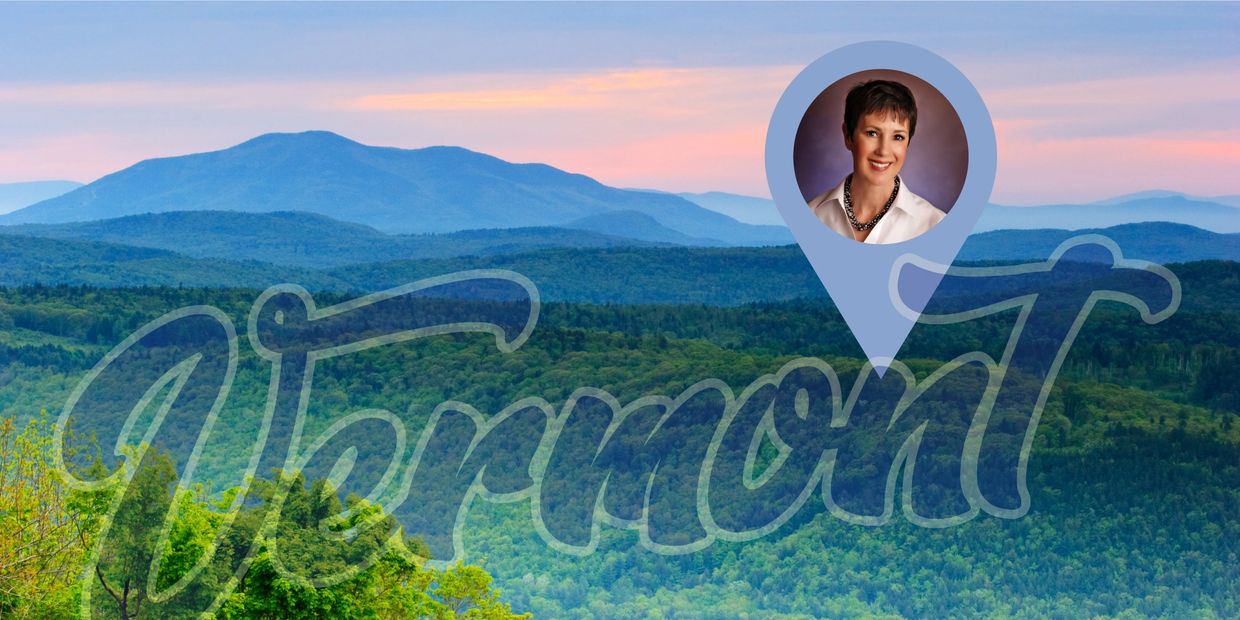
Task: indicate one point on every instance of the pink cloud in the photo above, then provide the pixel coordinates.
(1091, 139)
(78, 157)
(612, 124)
(1091, 168)
(670, 128)
(722, 159)
(653, 91)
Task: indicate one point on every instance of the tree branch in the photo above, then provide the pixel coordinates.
(104, 581)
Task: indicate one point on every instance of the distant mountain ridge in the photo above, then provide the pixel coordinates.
(429, 190)
(308, 239)
(1159, 242)
(748, 209)
(1215, 213)
(1229, 200)
(605, 274)
(446, 189)
(1152, 206)
(15, 196)
(30, 260)
(639, 226)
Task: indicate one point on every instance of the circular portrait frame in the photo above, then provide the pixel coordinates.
(859, 58)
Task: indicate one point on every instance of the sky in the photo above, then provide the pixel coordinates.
(1089, 101)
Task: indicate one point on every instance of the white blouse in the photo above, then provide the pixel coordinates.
(909, 216)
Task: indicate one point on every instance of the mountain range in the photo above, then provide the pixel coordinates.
(324, 210)
(317, 241)
(449, 189)
(1207, 213)
(1229, 200)
(430, 190)
(1159, 242)
(748, 209)
(1215, 213)
(601, 274)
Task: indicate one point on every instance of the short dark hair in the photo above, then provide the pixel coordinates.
(880, 96)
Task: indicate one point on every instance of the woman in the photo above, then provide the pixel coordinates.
(872, 205)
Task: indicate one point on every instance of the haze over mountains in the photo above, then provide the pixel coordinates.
(14, 196)
(1215, 213)
(308, 239)
(1209, 214)
(450, 189)
(430, 190)
(748, 209)
(326, 211)
(600, 274)
(1229, 200)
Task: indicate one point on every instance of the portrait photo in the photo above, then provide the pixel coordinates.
(880, 156)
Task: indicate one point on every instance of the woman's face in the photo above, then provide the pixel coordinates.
(878, 147)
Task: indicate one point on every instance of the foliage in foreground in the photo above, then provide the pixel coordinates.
(50, 529)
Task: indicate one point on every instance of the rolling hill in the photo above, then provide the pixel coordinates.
(28, 260)
(640, 226)
(309, 240)
(1160, 242)
(609, 274)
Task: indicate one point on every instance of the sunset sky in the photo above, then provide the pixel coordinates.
(1121, 98)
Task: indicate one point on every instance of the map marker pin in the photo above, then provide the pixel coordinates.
(859, 276)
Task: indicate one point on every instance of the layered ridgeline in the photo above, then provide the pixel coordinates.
(1133, 477)
(1214, 213)
(1217, 213)
(231, 249)
(270, 199)
(311, 240)
(429, 190)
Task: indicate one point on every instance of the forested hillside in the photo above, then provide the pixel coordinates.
(1133, 478)
(196, 249)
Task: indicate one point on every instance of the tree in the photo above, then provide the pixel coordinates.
(124, 560)
(394, 585)
(42, 523)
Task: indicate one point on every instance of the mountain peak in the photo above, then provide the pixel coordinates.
(1142, 195)
(299, 139)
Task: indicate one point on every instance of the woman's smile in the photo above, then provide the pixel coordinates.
(878, 146)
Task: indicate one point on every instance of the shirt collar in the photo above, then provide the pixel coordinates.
(902, 201)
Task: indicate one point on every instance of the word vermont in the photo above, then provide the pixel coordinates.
(681, 470)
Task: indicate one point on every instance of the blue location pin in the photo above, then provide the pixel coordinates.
(859, 276)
